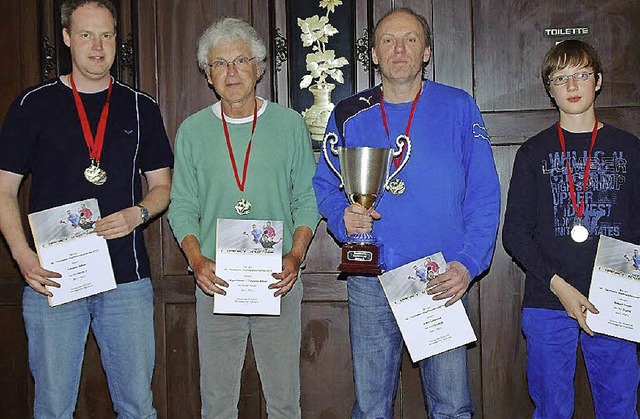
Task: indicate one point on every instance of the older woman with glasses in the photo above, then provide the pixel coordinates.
(243, 158)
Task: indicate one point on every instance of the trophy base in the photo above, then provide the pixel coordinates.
(360, 258)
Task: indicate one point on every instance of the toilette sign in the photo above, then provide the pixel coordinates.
(563, 32)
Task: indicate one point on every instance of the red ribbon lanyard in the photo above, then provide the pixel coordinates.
(246, 154)
(572, 189)
(398, 160)
(93, 144)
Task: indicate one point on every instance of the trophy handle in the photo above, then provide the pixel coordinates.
(332, 139)
(401, 142)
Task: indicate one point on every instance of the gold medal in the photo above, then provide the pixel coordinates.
(396, 186)
(243, 207)
(95, 174)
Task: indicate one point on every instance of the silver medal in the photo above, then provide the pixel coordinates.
(579, 233)
(243, 207)
(95, 174)
(396, 186)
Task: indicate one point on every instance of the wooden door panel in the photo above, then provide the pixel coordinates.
(183, 389)
(325, 367)
(15, 380)
(503, 349)
(324, 254)
(510, 43)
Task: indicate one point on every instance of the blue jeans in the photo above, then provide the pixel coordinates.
(122, 323)
(376, 350)
(552, 343)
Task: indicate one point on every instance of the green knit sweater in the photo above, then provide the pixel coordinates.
(278, 184)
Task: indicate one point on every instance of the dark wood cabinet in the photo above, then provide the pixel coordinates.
(491, 49)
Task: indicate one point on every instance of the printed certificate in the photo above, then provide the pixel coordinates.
(427, 326)
(615, 290)
(247, 253)
(66, 243)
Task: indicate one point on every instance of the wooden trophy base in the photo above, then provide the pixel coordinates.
(360, 259)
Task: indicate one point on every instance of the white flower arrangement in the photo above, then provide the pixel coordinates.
(322, 62)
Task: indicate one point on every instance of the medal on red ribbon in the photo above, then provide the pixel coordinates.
(579, 233)
(94, 173)
(397, 186)
(243, 206)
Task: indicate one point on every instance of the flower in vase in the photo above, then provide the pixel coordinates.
(330, 5)
(322, 62)
(315, 29)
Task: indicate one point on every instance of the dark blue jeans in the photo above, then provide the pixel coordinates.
(376, 349)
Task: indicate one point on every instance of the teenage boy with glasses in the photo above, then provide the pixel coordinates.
(555, 212)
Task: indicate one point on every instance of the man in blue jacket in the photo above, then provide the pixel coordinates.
(450, 203)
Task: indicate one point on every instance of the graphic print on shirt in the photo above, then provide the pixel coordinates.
(607, 175)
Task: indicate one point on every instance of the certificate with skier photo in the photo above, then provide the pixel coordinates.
(427, 326)
(615, 290)
(66, 243)
(247, 253)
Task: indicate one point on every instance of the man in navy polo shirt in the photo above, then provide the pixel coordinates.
(85, 135)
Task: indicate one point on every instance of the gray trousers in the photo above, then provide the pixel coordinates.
(222, 342)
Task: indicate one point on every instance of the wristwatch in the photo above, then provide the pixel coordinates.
(144, 213)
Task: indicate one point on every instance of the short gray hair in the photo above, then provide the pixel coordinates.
(230, 29)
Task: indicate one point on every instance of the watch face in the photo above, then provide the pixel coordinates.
(145, 213)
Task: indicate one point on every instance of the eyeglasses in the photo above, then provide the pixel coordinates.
(577, 77)
(240, 63)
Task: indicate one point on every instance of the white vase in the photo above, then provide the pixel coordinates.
(318, 114)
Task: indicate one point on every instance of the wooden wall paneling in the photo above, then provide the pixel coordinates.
(452, 49)
(21, 58)
(47, 39)
(504, 389)
(126, 51)
(146, 54)
(510, 44)
(182, 375)
(324, 254)
(516, 127)
(280, 40)
(475, 350)
(15, 380)
(616, 37)
(10, 44)
(325, 365)
(377, 9)
(362, 65)
(259, 18)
